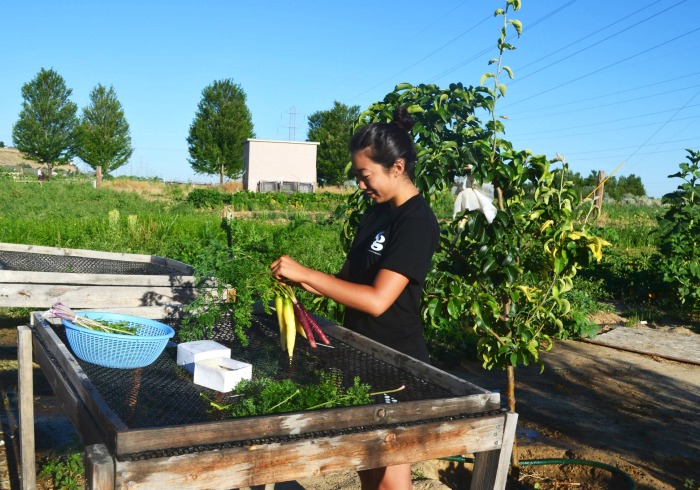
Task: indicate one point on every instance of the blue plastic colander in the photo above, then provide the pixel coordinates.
(116, 350)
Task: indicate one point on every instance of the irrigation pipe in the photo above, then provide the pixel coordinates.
(539, 462)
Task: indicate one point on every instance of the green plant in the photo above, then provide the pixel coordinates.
(680, 234)
(66, 471)
(262, 396)
(505, 280)
(222, 118)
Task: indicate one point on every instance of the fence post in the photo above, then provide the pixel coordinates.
(598, 198)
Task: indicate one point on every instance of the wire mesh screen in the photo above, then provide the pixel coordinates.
(23, 261)
(163, 394)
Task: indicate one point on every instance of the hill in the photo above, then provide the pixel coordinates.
(12, 160)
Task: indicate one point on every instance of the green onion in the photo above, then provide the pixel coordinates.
(59, 310)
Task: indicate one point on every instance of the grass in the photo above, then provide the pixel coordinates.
(171, 220)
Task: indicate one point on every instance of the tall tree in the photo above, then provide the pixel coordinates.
(104, 139)
(46, 129)
(220, 126)
(333, 130)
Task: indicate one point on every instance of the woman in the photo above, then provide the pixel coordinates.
(381, 281)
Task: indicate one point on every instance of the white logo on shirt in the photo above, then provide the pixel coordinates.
(378, 244)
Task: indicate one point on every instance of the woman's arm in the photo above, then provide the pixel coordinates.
(374, 299)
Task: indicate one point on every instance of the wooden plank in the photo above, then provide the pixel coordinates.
(96, 254)
(73, 406)
(257, 465)
(281, 425)
(26, 407)
(390, 356)
(677, 346)
(59, 356)
(44, 295)
(491, 467)
(63, 278)
(99, 468)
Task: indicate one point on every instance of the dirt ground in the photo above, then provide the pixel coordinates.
(592, 403)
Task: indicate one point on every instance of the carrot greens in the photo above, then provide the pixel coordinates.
(264, 395)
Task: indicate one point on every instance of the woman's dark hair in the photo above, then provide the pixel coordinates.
(387, 142)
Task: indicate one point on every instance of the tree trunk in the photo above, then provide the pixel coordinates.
(510, 397)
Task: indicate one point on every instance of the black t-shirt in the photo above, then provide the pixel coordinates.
(402, 240)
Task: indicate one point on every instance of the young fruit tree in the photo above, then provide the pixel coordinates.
(503, 279)
(47, 125)
(680, 234)
(103, 133)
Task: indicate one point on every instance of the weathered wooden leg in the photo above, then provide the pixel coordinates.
(491, 467)
(99, 468)
(26, 407)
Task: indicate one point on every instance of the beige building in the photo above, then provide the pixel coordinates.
(286, 166)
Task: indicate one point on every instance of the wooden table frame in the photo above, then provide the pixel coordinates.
(488, 434)
(37, 289)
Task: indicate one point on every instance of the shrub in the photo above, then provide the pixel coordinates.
(680, 234)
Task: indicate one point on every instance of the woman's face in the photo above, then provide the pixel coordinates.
(378, 183)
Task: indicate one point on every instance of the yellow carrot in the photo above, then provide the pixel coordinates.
(289, 322)
(279, 309)
(299, 328)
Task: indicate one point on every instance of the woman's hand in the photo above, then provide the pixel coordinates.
(286, 268)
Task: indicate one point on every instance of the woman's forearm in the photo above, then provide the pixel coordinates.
(372, 299)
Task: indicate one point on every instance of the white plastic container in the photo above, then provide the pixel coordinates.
(221, 374)
(190, 352)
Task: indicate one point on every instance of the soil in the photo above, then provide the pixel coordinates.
(592, 403)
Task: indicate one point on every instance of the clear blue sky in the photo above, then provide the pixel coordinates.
(602, 82)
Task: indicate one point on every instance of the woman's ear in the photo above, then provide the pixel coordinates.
(399, 166)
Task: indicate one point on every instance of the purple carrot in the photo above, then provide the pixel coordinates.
(303, 319)
(314, 325)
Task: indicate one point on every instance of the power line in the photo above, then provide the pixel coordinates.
(486, 50)
(589, 35)
(607, 105)
(632, 146)
(665, 123)
(609, 121)
(608, 130)
(393, 77)
(604, 67)
(610, 94)
(599, 42)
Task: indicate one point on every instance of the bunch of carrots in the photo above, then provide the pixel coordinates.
(293, 319)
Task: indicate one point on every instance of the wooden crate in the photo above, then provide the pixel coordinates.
(267, 449)
(49, 274)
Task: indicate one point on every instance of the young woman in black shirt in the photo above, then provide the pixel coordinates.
(382, 279)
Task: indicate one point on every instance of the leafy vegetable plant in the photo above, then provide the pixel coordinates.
(264, 396)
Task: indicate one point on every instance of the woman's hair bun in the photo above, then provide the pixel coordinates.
(403, 119)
